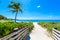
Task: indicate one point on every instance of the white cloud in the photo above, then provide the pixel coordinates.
(38, 6)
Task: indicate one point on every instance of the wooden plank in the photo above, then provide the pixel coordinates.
(23, 35)
(56, 31)
(56, 34)
(12, 34)
(54, 37)
(19, 34)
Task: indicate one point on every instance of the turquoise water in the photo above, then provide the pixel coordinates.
(38, 20)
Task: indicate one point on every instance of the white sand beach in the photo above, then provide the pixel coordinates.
(39, 33)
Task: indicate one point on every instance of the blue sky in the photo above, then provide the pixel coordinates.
(49, 9)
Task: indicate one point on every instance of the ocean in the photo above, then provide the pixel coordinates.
(38, 20)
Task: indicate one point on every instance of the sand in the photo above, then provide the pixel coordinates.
(39, 33)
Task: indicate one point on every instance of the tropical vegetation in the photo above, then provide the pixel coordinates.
(2, 17)
(7, 27)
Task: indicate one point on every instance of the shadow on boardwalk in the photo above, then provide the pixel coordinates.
(28, 38)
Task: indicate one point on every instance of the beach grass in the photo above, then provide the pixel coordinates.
(6, 21)
(50, 25)
(6, 27)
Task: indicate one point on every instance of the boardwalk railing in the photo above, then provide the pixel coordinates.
(56, 34)
(19, 35)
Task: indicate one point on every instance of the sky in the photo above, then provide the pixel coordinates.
(33, 9)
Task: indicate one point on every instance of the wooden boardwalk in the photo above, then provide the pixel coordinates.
(19, 35)
(56, 34)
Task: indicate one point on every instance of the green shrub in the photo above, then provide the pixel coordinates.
(30, 26)
(7, 27)
(2, 17)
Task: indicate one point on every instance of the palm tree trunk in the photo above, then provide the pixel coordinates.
(16, 16)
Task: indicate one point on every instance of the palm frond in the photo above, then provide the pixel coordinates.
(20, 10)
(15, 6)
(12, 11)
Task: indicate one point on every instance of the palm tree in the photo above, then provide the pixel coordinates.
(16, 7)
